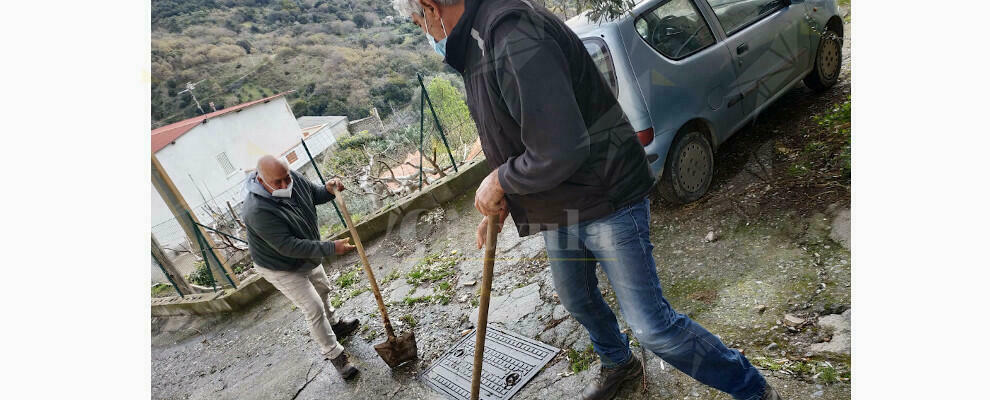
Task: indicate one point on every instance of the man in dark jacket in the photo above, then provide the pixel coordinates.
(284, 241)
(566, 163)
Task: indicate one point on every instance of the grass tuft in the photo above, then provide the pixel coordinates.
(432, 268)
(348, 279)
(580, 361)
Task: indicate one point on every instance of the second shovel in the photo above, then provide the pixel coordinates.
(395, 350)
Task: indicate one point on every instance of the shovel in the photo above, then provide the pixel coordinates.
(394, 351)
(486, 293)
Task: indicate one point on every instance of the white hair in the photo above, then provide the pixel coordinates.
(407, 8)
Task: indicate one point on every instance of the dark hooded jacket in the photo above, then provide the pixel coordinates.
(549, 122)
(282, 233)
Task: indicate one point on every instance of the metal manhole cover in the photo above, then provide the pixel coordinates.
(510, 361)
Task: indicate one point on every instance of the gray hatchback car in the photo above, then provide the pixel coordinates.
(690, 73)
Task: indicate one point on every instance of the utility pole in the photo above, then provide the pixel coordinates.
(187, 219)
(189, 88)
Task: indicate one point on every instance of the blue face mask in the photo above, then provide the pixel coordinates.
(441, 46)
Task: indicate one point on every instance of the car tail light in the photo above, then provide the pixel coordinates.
(645, 136)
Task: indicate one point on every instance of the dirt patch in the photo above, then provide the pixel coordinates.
(704, 296)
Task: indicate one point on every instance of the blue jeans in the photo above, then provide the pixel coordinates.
(621, 243)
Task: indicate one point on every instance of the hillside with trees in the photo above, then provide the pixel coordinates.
(341, 57)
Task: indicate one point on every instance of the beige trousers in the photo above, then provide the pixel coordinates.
(309, 291)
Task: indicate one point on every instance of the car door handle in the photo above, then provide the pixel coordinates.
(742, 48)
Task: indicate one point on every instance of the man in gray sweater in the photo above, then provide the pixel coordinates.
(284, 241)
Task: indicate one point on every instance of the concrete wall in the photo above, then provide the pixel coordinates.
(244, 136)
(432, 196)
(252, 289)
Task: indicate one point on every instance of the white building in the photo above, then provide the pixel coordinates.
(209, 157)
(321, 134)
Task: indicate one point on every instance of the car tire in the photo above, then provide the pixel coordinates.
(828, 63)
(688, 169)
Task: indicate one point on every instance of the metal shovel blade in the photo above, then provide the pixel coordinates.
(396, 351)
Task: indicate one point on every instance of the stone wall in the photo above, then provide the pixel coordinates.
(372, 124)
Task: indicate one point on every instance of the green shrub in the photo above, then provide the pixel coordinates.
(356, 141)
(202, 276)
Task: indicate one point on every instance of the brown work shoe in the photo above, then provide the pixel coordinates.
(344, 367)
(344, 327)
(611, 379)
(770, 394)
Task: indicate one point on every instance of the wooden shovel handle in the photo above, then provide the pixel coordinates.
(367, 265)
(486, 292)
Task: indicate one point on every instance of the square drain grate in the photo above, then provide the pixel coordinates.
(510, 361)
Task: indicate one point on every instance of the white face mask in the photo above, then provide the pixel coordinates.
(284, 193)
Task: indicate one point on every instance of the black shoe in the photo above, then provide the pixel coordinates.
(344, 367)
(770, 394)
(611, 379)
(344, 327)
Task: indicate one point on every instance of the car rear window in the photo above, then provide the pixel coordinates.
(603, 60)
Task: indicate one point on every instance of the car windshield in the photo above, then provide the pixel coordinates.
(599, 53)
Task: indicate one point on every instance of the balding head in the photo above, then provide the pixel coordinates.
(273, 173)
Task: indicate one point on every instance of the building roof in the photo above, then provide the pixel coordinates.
(167, 134)
(312, 129)
(311, 121)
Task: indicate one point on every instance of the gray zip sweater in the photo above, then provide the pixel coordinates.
(282, 233)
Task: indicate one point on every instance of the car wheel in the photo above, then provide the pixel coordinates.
(828, 63)
(688, 169)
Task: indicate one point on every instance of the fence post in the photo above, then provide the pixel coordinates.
(317, 168)
(168, 269)
(222, 265)
(187, 220)
(206, 260)
(437, 121)
(422, 106)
